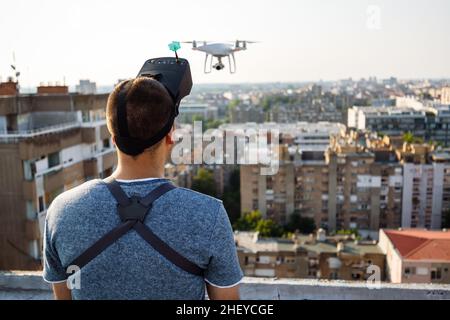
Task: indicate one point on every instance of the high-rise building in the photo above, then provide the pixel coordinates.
(428, 123)
(49, 142)
(426, 186)
(445, 95)
(364, 184)
(86, 87)
(277, 196)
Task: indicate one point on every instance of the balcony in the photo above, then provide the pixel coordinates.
(30, 286)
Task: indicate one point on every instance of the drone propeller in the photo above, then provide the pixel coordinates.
(248, 41)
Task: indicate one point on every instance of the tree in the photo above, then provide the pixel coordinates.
(408, 137)
(204, 182)
(268, 228)
(232, 196)
(212, 124)
(349, 232)
(253, 221)
(248, 221)
(233, 104)
(304, 225)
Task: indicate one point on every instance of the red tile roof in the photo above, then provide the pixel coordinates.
(414, 244)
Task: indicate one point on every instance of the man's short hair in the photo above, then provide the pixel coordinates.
(149, 107)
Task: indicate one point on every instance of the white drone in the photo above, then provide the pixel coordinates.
(219, 50)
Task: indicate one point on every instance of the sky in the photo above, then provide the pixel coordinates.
(299, 40)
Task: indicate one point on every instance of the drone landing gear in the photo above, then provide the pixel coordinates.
(206, 70)
(232, 69)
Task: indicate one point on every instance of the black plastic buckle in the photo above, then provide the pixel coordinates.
(135, 210)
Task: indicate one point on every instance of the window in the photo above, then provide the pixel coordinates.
(31, 211)
(356, 276)
(29, 169)
(85, 116)
(436, 274)
(33, 249)
(246, 260)
(106, 144)
(53, 159)
(41, 204)
(334, 276)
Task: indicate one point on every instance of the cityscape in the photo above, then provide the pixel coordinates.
(326, 136)
(363, 177)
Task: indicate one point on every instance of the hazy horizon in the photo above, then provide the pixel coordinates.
(301, 40)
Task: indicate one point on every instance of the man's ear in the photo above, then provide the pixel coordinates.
(169, 136)
(113, 140)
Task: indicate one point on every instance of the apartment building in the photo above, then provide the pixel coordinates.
(197, 111)
(350, 181)
(364, 183)
(49, 142)
(315, 256)
(445, 95)
(426, 122)
(416, 255)
(246, 113)
(426, 191)
(277, 196)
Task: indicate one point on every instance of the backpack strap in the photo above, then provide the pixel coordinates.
(132, 212)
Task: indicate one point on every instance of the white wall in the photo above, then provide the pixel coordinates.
(71, 155)
(438, 190)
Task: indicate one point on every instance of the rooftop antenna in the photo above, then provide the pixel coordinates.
(14, 67)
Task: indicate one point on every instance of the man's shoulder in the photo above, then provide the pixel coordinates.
(76, 197)
(199, 197)
(198, 203)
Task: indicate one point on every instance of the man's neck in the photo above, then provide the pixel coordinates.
(129, 169)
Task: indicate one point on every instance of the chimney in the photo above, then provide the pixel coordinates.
(9, 88)
(52, 89)
(321, 235)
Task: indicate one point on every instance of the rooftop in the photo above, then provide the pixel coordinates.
(415, 244)
(30, 286)
(250, 242)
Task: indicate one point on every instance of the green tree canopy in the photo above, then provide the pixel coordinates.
(268, 228)
(446, 219)
(248, 221)
(204, 182)
(232, 196)
(304, 225)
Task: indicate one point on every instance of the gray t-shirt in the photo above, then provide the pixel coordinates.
(193, 224)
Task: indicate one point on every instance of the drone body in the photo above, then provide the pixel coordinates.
(219, 50)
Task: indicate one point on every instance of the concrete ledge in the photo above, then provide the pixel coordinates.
(24, 280)
(304, 289)
(29, 285)
(24, 285)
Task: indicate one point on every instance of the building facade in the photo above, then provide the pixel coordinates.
(49, 142)
(315, 256)
(416, 255)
